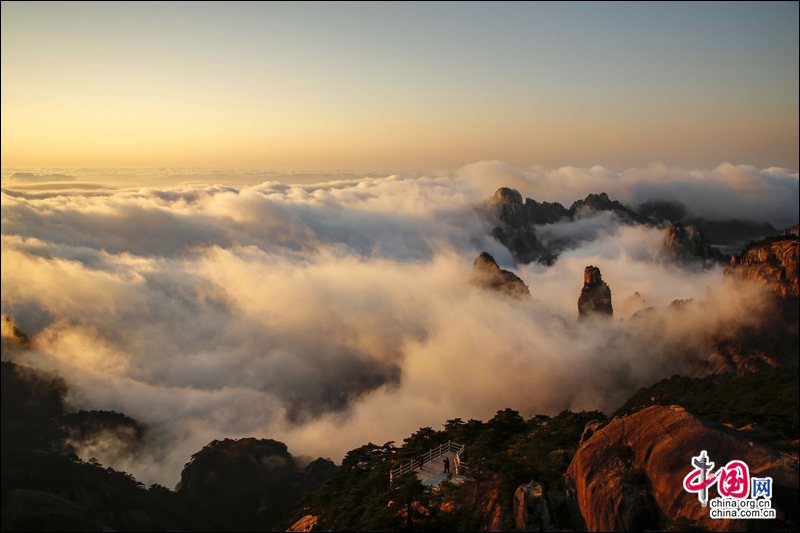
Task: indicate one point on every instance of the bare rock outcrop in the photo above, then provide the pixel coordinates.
(517, 219)
(689, 247)
(307, 523)
(530, 507)
(514, 211)
(629, 474)
(595, 298)
(538, 509)
(594, 203)
(486, 274)
(771, 262)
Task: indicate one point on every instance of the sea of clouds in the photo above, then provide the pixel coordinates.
(333, 314)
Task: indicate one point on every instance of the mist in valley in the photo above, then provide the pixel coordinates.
(333, 314)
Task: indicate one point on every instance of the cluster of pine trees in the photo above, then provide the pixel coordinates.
(508, 451)
(502, 453)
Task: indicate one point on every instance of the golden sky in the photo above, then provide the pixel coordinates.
(401, 86)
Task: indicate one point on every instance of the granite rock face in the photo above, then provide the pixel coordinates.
(771, 263)
(486, 274)
(595, 298)
(629, 474)
(537, 509)
(530, 507)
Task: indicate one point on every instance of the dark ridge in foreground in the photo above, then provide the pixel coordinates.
(577, 471)
(249, 484)
(767, 398)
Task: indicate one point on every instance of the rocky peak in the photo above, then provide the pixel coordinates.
(518, 218)
(592, 276)
(595, 298)
(689, 246)
(516, 224)
(771, 262)
(510, 203)
(601, 202)
(486, 274)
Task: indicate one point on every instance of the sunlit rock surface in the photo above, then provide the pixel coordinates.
(486, 274)
(629, 474)
(595, 298)
(306, 523)
(771, 262)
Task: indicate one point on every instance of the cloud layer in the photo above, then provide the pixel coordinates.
(334, 314)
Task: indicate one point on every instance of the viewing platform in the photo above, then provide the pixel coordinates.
(432, 471)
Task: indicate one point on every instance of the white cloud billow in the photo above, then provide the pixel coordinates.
(330, 315)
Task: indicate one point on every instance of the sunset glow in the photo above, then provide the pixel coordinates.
(401, 86)
(277, 221)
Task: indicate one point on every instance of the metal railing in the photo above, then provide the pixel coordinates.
(432, 454)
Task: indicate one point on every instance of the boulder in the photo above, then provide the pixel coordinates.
(595, 298)
(629, 474)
